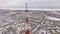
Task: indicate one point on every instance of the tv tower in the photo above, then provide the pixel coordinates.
(27, 23)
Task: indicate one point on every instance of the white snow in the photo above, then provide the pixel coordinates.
(53, 18)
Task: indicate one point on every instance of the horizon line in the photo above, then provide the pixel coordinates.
(45, 9)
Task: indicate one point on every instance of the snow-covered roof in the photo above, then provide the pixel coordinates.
(53, 18)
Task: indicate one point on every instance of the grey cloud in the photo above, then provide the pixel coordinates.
(44, 4)
(12, 3)
(31, 3)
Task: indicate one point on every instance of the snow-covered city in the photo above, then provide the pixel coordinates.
(40, 22)
(29, 16)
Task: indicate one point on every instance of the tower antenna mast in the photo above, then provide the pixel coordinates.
(26, 5)
(27, 23)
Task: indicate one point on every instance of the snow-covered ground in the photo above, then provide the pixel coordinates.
(14, 22)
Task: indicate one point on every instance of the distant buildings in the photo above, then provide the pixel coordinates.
(14, 22)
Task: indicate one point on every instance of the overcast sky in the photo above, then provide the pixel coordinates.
(12, 3)
(31, 4)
